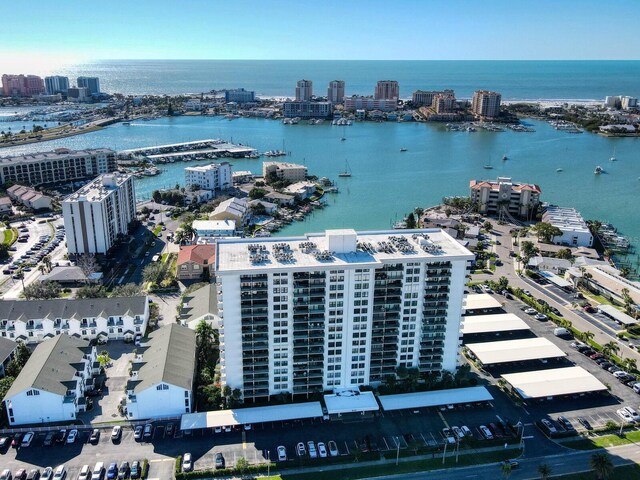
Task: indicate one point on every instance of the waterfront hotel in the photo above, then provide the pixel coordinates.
(337, 309)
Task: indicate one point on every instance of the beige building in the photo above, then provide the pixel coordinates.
(194, 260)
(304, 90)
(505, 197)
(387, 90)
(444, 103)
(335, 92)
(29, 197)
(486, 104)
(285, 171)
(236, 209)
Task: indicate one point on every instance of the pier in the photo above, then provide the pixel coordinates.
(194, 150)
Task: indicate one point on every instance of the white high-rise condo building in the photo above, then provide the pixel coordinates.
(215, 177)
(335, 92)
(56, 84)
(387, 90)
(91, 83)
(337, 309)
(486, 104)
(96, 214)
(304, 90)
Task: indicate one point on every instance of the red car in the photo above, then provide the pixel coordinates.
(596, 356)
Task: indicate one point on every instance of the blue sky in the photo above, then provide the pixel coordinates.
(329, 29)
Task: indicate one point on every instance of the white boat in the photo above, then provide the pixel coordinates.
(347, 170)
(613, 157)
(488, 167)
(559, 170)
(504, 157)
(598, 170)
(403, 149)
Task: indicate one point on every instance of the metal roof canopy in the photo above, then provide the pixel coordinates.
(477, 301)
(617, 315)
(553, 382)
(434, 399)
(490, 353)
(351, 402)
(244, 416)
(499, 322)
(555, 279)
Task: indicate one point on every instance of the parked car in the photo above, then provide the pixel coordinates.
(634, 414)
(95, 436)
(116, 433)
(448, 436)
(60, 473)
(217, 429)
(322, 450)
(301, 449)
(136, 470)
(333, 449)
(495, 430)
(27, 439)
(548, 426)
(34, 474)
(626, 416)
(613, 369)
(457, 432)
(61, 436)
(187, 463)
(20, 475)
(112, 471)
(485, 432)
(169, 430)
(6, 474)
(531, 311)
(219, 461)
(48, 439)
(565, 423)
(466, 431)
(85, 473)
(98, 471)
(282, 454)
(511, 463)
(137, 432)
(606, 365)
(148, 430)
(541, 317)
(312, 449)
(123, 471)
(73, 435)
(47, 474)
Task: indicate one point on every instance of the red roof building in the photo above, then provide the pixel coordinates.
(194, 260)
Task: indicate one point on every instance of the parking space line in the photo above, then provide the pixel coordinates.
(443, 419)
(347, 447)
(385, 442)
(425, 442)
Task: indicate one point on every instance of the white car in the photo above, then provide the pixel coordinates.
(60, 473)
(619, 373)
(448, 436)
(530, 311)
(187, 464)
(312, 449)
(247, 427)
(457, 432)
(85, 473)
(622, 413)
(301, 450)
(466, 431)
(633, 413)
(27, 439)
(47, 474)
(98, 471)
(486, 433)
(333, 449)
(217, 429)
(73, 434)
(322, 450)
(5, 475)
(282, 454)
(550, 427)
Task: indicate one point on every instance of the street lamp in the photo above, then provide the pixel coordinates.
(397, 451)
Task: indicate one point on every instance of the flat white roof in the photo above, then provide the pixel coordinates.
(490, 353)
(244, 416)
(555, 279)
(337, 249)
(214, 225)
(351, 402)
(434, 398)
(499, 322)
(479, 301)
(554, 382)
(617, 315)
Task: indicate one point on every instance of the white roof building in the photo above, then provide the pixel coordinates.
(501, 322)
(506, 351)
(214, 228)
(554, 382)
(474, 303)
(575, 232)
(434, 398)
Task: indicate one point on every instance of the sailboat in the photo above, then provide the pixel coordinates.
(343, 135)
(613, 157)
(598, 170)
(504, 157)
(347, 170)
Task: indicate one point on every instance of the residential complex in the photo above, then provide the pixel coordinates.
(304, 90)
(206, 229)
(234, 209)
(112, 318)
(162, 376)
(239, 95)
(444, 103)
(505, 197)
(291, 172)
(92, 84)
(60, 165)
(97, 214)
(337, 309)
(621, 101)
(358, 102)
(307, 109)
(194, 260)
(387, 90)
(422, 98)
(51, 386)
(78, 94)
(335, 91)
(215, 177)
(56, 84)
(486, 104)
(575, 232)
(22, 85)
(29, 197)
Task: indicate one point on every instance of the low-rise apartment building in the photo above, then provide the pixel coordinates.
(575, 232)
(161, 383)
(29, 197)
(291, 172)
(193, 260)
(235, 209)
(51, 385)
(505, 197)
(307, 109)
(215, 177)
(112, 318)
(358, 102)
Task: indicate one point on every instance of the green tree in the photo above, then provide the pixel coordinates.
(528, 249)
(127, 290)
(545, 471)
(20, 358)
(91, 291)
(4, 250)
(42, 290)
(488, 226)
(503, 283)
(242, 465)
(601, 465)
(588, 336)
(545, 231)
(564, 253)
(610, 348)
(411, 221)
(205, 345)
(5, 385)
(256, 193)
(630, 364)
(154, 272)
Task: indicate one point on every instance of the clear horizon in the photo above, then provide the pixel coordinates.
(437, 30)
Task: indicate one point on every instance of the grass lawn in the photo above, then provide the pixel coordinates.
(604, 441)
(627, 472)
(156, 230)
(10, 236)
(403, 467)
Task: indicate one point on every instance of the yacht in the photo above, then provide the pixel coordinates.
(488, 167)
(403, 149)
(613, 157)
(559, 170)
(598, 170)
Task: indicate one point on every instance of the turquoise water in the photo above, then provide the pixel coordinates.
(514, 79)
(386, 183)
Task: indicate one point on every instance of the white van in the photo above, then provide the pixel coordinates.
(561, 332)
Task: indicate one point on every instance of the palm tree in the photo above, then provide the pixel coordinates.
(610, 348)
(601, 465)
(544, 470)
(46, 260)
(630, 364)
(587, 336)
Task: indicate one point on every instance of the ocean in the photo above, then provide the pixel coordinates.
(516, 80)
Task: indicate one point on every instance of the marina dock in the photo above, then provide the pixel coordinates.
(185, 151)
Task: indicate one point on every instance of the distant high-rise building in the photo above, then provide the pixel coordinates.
(56, 84)
(214, 177)
(486, 104)
(239, 95)
(78, 94)
(335, 92)
(423, 98)
(304, 90)
(22, 85)
(91, 83)
(98, 213)
(387, 90)
(444, 103)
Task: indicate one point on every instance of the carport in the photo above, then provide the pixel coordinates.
(350, 401)
(475, 303)
(507, 351)
(620, 317)
(253, 415)
(501, 322)
(554, 382)
(435, 398)
(555, 279)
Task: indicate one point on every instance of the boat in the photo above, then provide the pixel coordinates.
(343, 138)
(598, 170)
(613, 157)
(504, 157)
(559, 170)
(403, 149)
(347, 170)
(488, 167)
(126, 123)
